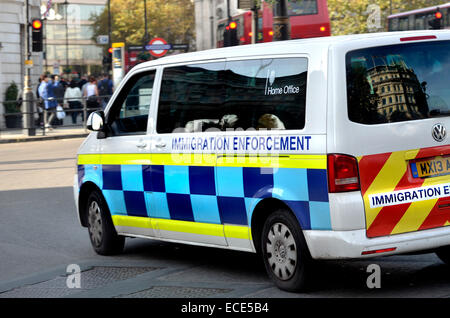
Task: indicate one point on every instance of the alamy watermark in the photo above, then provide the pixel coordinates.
(374, 279)
(374, 19)
(74, 276)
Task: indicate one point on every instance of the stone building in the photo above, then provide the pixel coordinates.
(12, 48)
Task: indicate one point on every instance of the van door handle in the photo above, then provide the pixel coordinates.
(141, 145)
(160, 145)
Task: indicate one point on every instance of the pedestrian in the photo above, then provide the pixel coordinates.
(105, 89)
(91, 94)
(58, 89)
(73, 99)
(47, 94)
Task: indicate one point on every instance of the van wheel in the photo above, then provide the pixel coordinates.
(444, 254)
(103, 235)
(284, 251)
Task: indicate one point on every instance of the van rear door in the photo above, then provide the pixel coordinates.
(398, 102)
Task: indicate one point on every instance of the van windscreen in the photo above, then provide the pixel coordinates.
(396, 83)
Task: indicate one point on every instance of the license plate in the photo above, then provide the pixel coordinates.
(434, 167)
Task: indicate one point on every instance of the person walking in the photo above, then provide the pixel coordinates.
(91, 94)
(105, 89)
(47, 94)
(72, 98)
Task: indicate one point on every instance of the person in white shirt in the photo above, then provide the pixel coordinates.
(90, 92)
(73, 99)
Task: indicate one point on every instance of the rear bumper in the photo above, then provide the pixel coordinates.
(351, 244)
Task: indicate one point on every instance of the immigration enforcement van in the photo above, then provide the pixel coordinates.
(330, 148)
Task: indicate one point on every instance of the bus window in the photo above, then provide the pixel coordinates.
(411, 22)
(305, 7)
(420, 22)
(393, 24)
(403, 24)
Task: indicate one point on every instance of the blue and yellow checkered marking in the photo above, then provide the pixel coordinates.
(135, 186)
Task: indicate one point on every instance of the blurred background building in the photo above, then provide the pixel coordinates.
(69, 45)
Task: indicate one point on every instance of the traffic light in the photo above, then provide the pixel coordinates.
(435, 24)
(36, 35)
(107, 59)
(230, 36)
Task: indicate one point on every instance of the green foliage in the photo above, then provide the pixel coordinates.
(351, 16)
(171, 20)
(11, 94)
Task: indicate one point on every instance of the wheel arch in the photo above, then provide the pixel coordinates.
(260, 214)
(86, 188)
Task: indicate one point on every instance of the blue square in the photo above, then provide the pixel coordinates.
(132, 178)
(230, 182)
(153, 178)
(116, 201)
(232, 210)
(135, 203)
(257, 182)
(292, 183)
(301, 211)
(94, 173)
(157, 206)
(180, 207)
(317, 185)
(205, 208)
(177, 179)
(320, 215)
(80, 173)
(201, 180)
(250, 205)
(112, 178)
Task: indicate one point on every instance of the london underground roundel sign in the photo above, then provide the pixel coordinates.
(158, 47)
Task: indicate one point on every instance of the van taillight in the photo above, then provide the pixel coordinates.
(342, 173)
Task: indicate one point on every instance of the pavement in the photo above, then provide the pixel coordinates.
(62, 132)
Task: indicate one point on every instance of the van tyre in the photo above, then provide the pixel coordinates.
(285, 253)
(103, 235)
(444, 254)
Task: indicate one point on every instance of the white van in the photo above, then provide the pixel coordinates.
(329, 148)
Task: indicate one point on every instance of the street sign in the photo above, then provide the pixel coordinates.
(245, 4)
(158, 47)
(102, 39)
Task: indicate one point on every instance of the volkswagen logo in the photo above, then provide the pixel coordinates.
(438, 132)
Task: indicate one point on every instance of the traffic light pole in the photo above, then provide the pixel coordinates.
(27, 98)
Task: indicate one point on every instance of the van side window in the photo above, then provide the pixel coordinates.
(266, 93)
(129, 114)
(249, 94)
(190, 97)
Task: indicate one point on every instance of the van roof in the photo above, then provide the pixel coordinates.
(286, 47)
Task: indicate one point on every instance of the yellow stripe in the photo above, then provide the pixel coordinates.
(132, 221)
(88, 159)
(188, 159)
(184, 159)
(235, 231)
(190, 227)
(232, 231)
(386, 181)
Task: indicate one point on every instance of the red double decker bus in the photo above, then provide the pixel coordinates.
(308, 19)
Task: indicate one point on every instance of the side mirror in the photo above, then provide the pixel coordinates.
(96, 121)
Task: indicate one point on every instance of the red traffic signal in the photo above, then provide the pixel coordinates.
(36, 35)
(36, 24)
(233, 25)
(438, 15)
(110, 50)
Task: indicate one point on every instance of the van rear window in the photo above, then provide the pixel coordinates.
(397, 83)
